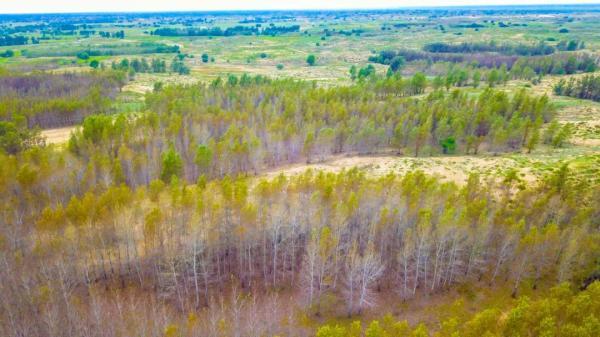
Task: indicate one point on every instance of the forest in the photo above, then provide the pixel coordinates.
(337, 241)
(355, 173)
(341, 239)
(47, 100)
(258, 123)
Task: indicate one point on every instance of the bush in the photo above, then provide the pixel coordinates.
(8, 53)
(83, 55)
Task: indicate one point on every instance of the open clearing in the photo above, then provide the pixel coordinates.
(530, 167)
(455, 169)
(58, 136)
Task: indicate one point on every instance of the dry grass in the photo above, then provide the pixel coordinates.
(58, 136)
(455, 169)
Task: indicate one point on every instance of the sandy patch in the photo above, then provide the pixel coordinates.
(455, 169)
(57, 136)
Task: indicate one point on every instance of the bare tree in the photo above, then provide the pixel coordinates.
(362, 271)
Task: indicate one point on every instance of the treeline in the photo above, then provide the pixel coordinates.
(560, 311)
(107, 35)
(230, 31)
(13, 40)
(586, 87)
(570, 45)
(340, 242)
(410, 55)
(140, 65)
(459, 76)
(557, 64)
(106, 50)
(521, 49)
(54, 100)
(116, 35)
(392, 84)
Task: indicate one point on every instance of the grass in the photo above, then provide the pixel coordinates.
(337, 52)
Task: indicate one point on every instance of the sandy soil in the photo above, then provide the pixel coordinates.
(58, 136)
(455, 169)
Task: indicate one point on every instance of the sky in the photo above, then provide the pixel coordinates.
(57, 6)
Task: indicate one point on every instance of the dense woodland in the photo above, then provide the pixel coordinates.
(50, 100)
(258, 123)
(164, 214)
(339, 241)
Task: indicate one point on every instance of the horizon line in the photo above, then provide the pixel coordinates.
(407, 7)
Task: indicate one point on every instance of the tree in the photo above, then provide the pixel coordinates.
(493, 78)
(83, 56)
(152, 227)
(204, 58)
(204, 157)
(476, 78)
(366, 72)
(362, 270)
(419, 82)
(353, 72)
(571, 65)
(419, 135)
(8, 53)
(15, 137)
(172, 165)
(534, 137)
(94, 64)
(397, 63)
(562, 136)
(318, 265)
(179, 67)
(375, 330)
(311, 60)
(448, 145)
(331, 331)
